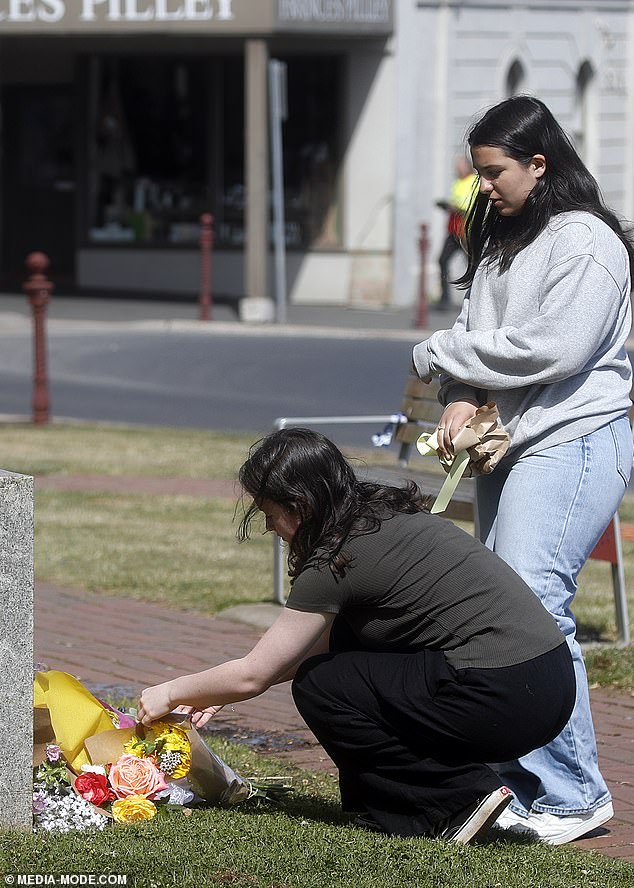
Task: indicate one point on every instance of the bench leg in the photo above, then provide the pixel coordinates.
(278, 570)
(404, 455)
(618, 587)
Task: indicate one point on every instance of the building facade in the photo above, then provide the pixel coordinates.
(124, 120)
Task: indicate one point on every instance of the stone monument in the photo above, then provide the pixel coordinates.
(16, 650)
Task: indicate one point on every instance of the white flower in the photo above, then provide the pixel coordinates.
(53, 752)
(66, 812)
(94, 769)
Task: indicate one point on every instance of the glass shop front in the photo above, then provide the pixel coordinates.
(124, 120)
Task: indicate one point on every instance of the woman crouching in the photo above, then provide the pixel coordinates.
(417, 655)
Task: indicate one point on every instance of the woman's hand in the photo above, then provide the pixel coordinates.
(155, 702)
(198, 717)
(453, 419)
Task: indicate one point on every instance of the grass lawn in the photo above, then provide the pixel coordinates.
(177, 551)
(64, 449)
(306, 842)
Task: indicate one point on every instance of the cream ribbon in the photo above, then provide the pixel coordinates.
(428, 445)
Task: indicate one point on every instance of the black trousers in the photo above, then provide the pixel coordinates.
(411, 736)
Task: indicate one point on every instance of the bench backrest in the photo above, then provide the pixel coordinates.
(421, 407)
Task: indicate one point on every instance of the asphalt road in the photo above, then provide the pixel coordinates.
(224, 382)
(170, 372)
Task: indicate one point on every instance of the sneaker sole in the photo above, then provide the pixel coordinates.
(484, 816)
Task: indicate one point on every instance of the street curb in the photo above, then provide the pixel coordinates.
(17, 323)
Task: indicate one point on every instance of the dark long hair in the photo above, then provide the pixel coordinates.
(304, 471)
(521, 127)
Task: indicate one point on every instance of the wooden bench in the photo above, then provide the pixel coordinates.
(419, 412)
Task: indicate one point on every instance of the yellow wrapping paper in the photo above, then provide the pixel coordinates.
(74, 714)
(478, 448)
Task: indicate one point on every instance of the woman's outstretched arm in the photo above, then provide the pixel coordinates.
(277, 654)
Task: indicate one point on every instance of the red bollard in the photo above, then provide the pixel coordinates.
(206, 247)
(38, 288)
(423, 245)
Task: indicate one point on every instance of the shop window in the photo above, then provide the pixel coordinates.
(515, 79)
(230, 206)
(311, 153)
(584, 121)
(148, 150)
(166, 144)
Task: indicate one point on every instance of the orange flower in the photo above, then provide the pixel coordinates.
(133, 776)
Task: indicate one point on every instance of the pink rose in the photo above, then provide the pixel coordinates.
(132, 775)
(94, 788)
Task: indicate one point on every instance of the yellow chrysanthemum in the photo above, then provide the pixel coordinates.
(175, 738)
(167, 739)
(133, 809)
(135, 747)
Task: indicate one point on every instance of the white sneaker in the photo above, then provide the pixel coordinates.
(555, 829)
(508, 819)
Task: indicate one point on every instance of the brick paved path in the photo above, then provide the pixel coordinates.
(121, 644)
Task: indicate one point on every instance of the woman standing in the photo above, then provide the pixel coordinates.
(542, 333)
(417, 655)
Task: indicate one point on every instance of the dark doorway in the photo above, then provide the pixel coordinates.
(38, 179)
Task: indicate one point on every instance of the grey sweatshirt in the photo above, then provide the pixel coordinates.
(546, 339)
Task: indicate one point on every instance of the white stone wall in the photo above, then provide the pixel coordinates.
(368, 170)
(16, 651)
(460, 53)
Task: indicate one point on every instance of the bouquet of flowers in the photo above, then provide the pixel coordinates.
(94, 765)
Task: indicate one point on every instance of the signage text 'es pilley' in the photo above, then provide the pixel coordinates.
(293, 13)
(53, 11)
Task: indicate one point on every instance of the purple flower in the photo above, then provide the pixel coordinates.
(39, 803)
(53, 752)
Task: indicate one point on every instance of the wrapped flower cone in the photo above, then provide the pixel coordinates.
(477, 449)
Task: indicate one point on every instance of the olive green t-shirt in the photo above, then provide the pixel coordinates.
(421, 582)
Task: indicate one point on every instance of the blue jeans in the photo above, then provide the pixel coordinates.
(543, 514)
